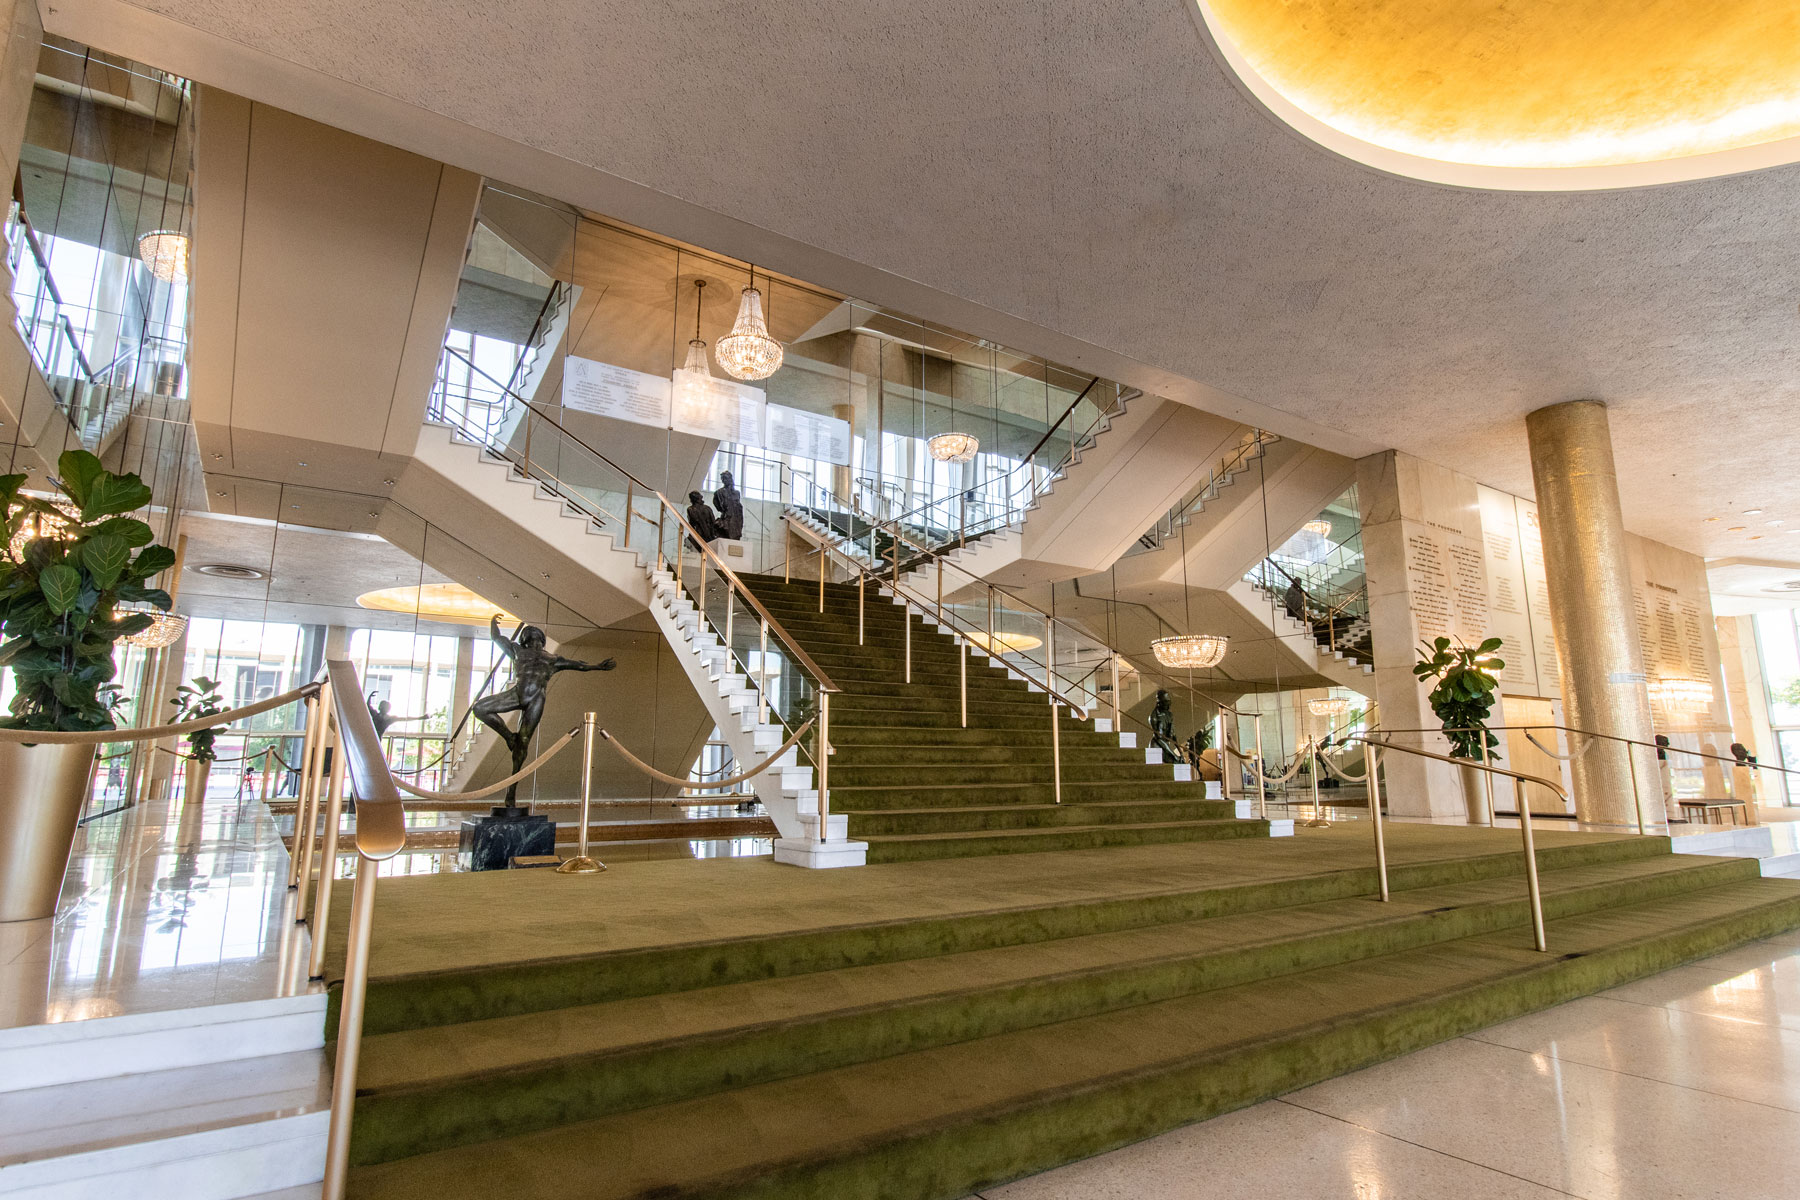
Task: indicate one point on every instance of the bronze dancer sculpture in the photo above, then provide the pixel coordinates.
(532, 668)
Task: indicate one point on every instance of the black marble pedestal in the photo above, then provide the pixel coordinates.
(490, 843)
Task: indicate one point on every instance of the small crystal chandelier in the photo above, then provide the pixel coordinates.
(1190, 651)
(953, 447)
(1319, 528)
(165, 630)
(165, 252)
(748, 352)
(42, 525)
(1327, 706)
(696, 356)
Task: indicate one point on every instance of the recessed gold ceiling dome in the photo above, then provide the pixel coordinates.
(1537, 94)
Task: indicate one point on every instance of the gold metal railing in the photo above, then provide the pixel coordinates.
(380, 834)
(1643, 826)
(1531, 871)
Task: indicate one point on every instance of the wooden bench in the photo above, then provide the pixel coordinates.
(1703, 810)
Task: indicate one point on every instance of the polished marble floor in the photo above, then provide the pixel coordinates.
(1681, 1086)
(171, 904)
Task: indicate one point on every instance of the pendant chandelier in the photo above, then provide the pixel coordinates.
(696, 355)
(748, 352)
(1319, 528)
(1189, 651)
(1327, 706)
(953, 447)
(165, 252)
(165, 630)
(41, 525)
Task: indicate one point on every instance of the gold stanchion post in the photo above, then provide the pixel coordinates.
(1375, 817)
(581, 864)
(334, 815)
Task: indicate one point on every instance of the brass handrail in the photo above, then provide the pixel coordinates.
(1531, 871)
(380, 834)
(1613, 737)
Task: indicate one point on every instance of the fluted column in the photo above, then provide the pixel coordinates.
(1591, 609)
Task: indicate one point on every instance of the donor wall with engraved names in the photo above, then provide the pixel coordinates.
(1449, 557)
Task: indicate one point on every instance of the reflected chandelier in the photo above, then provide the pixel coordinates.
(1189, 651)
(748, 352)
(165, 252)
(165, 630)
(41, 525)
(1327, 706)
(696, 356)
(953, 447)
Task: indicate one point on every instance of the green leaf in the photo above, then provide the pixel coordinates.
(61, 585)
(79, 471)
(112, 494)
(105, 558)
(1441, 644)
(1490, 645)
(152, 559)
(130, 530)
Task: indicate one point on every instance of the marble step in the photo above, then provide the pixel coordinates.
(218, 1132)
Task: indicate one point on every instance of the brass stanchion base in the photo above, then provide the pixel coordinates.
(581, 864)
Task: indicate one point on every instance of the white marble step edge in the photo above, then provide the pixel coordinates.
(64, 1052)
(220, 1132)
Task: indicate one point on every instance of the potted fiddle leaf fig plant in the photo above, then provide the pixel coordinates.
(67, 565)
(1463, 699)
(192, 702)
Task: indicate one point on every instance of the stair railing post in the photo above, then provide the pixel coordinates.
(762, 667)
(728, 611)
(1487, 777)
(1118, 722)
(307, 746)
(263, 792)
(1055, 750)
(630, 505)
(962, 666)
(334, 815)
(906, 619)
(350, 1023)
(312, 810)
(581, 864)
(1262, 786)
(821, 577)
(1312, 776)
(1375, 817)
(824, 765)
(662, 515)
(1531, 873)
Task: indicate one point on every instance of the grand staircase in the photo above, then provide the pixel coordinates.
(921, 1030)
(916, 783)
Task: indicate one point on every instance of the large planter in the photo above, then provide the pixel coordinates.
(198, 774)
(42, 789)
(1475, 800)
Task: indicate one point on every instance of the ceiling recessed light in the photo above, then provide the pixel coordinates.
(303, 464)
(1752, 512)
(1735, 529)
(230, 571)
(1712, 518)
(1756, 537)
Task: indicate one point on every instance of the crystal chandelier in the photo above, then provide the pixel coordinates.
(41, 525)
(1319, 528)
(165, 630)
(748, 352)
(165, 252)
(1190, 651)
(1681, 695)
(696, 356)
(953, 447)
(1327, 706)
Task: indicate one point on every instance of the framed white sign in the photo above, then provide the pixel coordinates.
(618, 392)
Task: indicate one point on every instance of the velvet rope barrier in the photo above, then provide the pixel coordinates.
(64, 737)
(651, 771)
(521, 773)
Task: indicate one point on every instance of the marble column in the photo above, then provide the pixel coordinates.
(1592, 610)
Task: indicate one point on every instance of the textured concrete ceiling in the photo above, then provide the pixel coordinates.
(1088, 182)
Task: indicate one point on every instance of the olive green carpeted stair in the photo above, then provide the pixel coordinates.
(924, 1056)
(916, 783)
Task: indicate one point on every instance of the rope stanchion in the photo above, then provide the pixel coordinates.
(651, 771)
(65, 737)
(515, 777)
(1347, 778)
(1572, 757)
